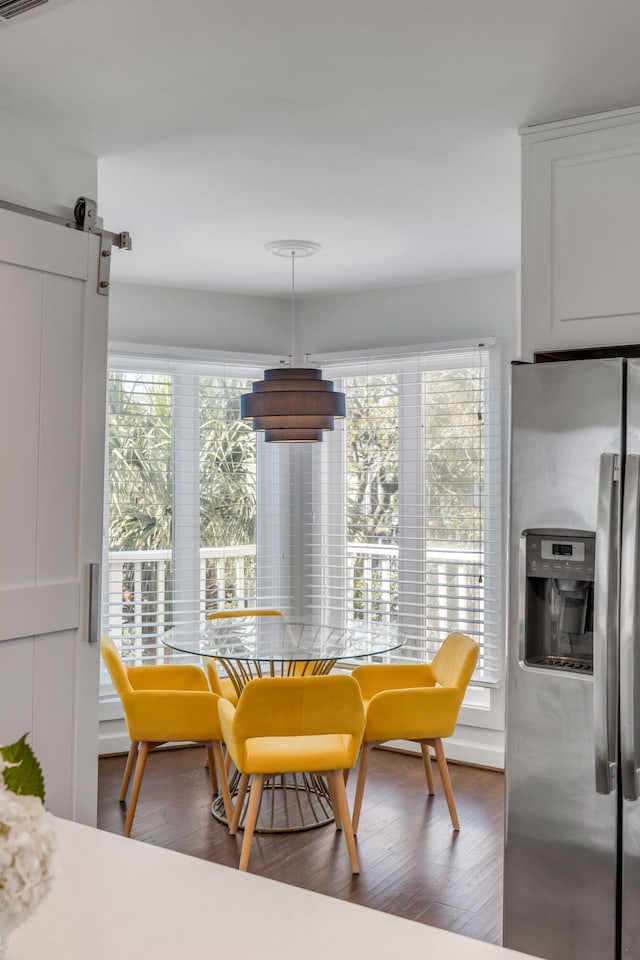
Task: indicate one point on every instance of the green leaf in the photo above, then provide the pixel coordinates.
(26, 777)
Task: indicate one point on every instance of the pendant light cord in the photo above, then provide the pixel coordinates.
(293, 307)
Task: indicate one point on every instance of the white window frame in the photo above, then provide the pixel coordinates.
(484, 703)
(282, 479)
(186, 366)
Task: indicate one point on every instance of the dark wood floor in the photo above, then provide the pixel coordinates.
(412, 864)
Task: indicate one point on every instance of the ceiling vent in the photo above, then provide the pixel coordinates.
(16, 11)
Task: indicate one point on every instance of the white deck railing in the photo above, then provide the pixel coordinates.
(141, 599)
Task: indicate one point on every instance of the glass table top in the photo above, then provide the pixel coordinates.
(280, 639)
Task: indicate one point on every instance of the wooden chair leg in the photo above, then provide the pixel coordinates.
(362, 776)
(334, 804)
(426, 758)
(213, 769)
(128, 770)
(255, 797)
(218, 760)
(237, 810)
(340, 793)
(143, 753)
(446, 782)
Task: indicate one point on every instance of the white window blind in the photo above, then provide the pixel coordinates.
(404, 524)
(395, 517)
(182, 491)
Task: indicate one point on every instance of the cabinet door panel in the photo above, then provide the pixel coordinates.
(42, 246)
(16, 685)
(596, 238)
(46, 608)
(54, 677)
(60, 429)
(580, 234)
(20, 348)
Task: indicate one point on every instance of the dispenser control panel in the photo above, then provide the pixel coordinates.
(558, 600)
(550, 556)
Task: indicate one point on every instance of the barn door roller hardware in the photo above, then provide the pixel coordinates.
(84, 217)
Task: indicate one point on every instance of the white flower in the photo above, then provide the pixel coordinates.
(27, 845)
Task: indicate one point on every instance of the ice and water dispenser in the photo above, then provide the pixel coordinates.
(558, 599)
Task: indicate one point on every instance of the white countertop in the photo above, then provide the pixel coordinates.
(120, 899)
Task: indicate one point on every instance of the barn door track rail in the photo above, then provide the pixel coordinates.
(83, 217)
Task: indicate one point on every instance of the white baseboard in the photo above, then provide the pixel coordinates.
(482, 748)
(479, 754)
(460, 751)
(113, 743)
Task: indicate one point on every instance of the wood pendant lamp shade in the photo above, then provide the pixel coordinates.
(293, 405)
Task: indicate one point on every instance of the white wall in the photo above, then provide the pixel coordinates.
(199, 320)
(432, 312)
(38, 169)
(464, 308)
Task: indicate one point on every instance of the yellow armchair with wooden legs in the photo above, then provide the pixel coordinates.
(164, 703)
(222, 685)
(294, 725)
(417, 702)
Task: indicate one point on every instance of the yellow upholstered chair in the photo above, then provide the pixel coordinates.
(417, 702)
(294, 725)
(164, 703)
(223, 686)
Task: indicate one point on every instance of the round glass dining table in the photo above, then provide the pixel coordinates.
(249, 646)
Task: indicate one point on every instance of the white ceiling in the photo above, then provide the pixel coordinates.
(386, 130)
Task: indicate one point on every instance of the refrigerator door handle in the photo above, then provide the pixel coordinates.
(629, 674)
(605, 626)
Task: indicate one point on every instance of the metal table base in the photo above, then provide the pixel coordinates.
(290, 802)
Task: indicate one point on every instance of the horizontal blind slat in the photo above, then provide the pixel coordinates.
(417, 538)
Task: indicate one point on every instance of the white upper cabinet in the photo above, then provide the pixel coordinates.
(581, 233)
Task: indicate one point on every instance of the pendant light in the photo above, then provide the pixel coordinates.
(292, 404)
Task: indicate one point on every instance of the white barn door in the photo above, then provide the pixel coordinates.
(53, 349)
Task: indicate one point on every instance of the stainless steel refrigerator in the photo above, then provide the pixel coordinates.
(572, 836)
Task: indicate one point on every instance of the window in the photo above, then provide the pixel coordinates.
(181, 480)
(405, 521)
(395, 517)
